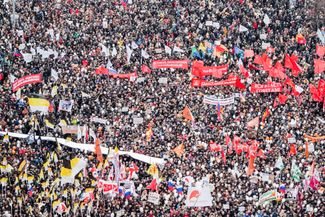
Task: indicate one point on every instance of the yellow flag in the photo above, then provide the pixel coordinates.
(6, 138)
(63, 123)
(30, 178)
(153, 170)
(49, 124)
(22, 165)
(54, 91)
(41, 175)
(65, 172)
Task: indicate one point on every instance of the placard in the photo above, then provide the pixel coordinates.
(137, 120)
(153, 197)
(291, 140)
(162, 80)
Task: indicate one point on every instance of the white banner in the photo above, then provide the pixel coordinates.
(99, 120)
(213, 100)
(88, 147)
(153, 197)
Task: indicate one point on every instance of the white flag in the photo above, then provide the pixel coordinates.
(279, 164)
(54, 74)
(321, 36)
(128, 53)
(79, 135)
(177, 49)
(266, 20)
(92, 134)
(265, 45)
(168, 50)
(105, 50)
(242, 28)
(109, 64)
(134, 45)
(144, 54)
(28, 57)
(114, 52)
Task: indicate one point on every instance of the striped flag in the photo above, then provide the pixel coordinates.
(267, 197)
(38, 104)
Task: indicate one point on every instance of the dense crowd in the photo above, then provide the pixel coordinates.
(84, 35)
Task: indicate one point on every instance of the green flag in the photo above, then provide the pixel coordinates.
(295, 172)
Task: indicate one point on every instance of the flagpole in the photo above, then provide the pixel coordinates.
(141, 57)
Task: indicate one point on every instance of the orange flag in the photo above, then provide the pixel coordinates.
(179, 150)
(98, 151)
(187, 114)
(293, 150)
(251, 167)
(149, 133)
(306, 150)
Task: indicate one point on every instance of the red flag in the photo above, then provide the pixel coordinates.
(240, 85)
(248, 53)
(276, 73)
(282, 98)
(124, 4)
(287, 62)
(223, 155)
(84, 63)
(312, 88)
(279, 66)
(221, 48)
(153, 185)
(289, 82)
(215, 147)
(293, 150)
(267, 64)
(291, 63)
(316, 95)
(145, 69)
(320, 50)
(101, 71)
(51, 107)
(258, 60)
(243, 71)
(321, 87)
(319, 66)
(261, 154)
(197, 68)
